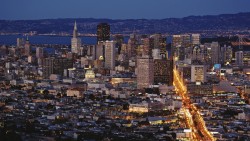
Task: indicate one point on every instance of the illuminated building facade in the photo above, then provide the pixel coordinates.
(199, 89)
(110, 55)
(198, 73)
(75, 41)
(196, 39)
(27, 47)
(163, 71)
(145, 71)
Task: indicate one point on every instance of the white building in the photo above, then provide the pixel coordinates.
(156, 54)
(75, 41)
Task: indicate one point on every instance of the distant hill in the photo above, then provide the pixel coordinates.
(200, 24)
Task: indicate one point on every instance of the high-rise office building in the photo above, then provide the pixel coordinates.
(179, 44)
(181, 40)
(212, 53)
(103, 32)
(91, 51)
(100, 51)
(20, 42)
(132, 46)
(185, 40)
(163, 71)
(145, 71)
(54, 65)
(147, 46)
(198, 73)
(176, 40)
(119, 39)
(239, 58)
(27, 47)
(159, 42)
(226, 54)
(110, 55)
(39, 52)
(196, 39)
(215, 48)
(180, 52)
(75, 41)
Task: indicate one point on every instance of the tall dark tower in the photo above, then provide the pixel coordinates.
(103, 32)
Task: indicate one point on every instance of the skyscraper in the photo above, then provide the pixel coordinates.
(132, 46)
(109, 55)
(196, 39)
(176, 40)
(212, 53)
(75, 41)
(103, 32)
(226, 54)
(163, 71)
(100, 50)
(145, 71)
(119, 39)
(215, 48)
(179, 44)
(180, 52)
(27, 48)
(147, 46)
(39, 52)
(159, 42)
(185, 40)
(239, 58)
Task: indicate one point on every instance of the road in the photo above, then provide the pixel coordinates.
(194, 120)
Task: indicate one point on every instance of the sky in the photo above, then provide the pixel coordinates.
(117, 9)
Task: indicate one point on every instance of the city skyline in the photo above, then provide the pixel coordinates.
(79, 78)
(29, 10)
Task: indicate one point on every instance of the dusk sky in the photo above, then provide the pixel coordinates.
(117, 9)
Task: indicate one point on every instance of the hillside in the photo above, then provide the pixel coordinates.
(200, 24)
